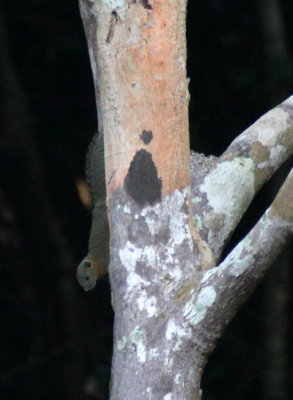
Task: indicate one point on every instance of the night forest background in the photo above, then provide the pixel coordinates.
(55, 340)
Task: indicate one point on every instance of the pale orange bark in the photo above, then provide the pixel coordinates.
(141, 58)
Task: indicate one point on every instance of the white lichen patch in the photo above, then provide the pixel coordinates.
(267, 135)
(137, 338)
(121, 343)
(196, 200)
(277, 153)
(178, 219)
(196, 309)
(177, 333)
(246, 242)
(141, 352)
(206, 276)
(145, 265)
(93, 64)
(274, 121)
(126, 209)
(239, 260)
(137, 335)
(174, 330)
(198, 222)
(170, 210)
(175, 274)
(170, 255)
(230, 188)
(263, 164)
(114, 3)
(154, 353)
(168, 361)
(149, 253)
(168, 396)
(151, 220)
(135, 282)
(177, 378)
(129, 256)
(149, 304)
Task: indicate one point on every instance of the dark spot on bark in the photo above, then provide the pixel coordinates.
(146, 4)
(243, 150)
(142, 182)
(144, 270)
(114, 20)
(239, 149)
(146, 136)
(138, 232)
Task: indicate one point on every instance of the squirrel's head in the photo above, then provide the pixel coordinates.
(88, 272)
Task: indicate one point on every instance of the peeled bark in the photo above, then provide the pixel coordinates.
(138, 57)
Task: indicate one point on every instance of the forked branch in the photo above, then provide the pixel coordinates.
(223, 188)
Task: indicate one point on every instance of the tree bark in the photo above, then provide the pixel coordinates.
(171, 302)
(138, 57)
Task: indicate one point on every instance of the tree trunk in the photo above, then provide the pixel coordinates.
(169, 225)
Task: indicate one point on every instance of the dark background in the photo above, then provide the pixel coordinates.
(55, 340)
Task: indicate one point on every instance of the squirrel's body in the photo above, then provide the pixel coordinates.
(95, 264)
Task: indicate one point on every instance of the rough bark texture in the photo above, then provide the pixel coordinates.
(165, 233)
(223, 188)
(153, 276)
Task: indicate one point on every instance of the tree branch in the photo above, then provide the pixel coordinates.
(237, 276)
(223, 188)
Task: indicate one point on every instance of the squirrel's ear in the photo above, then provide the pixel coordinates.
(87, 263)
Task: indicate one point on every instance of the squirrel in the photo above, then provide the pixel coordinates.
(95, 264)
